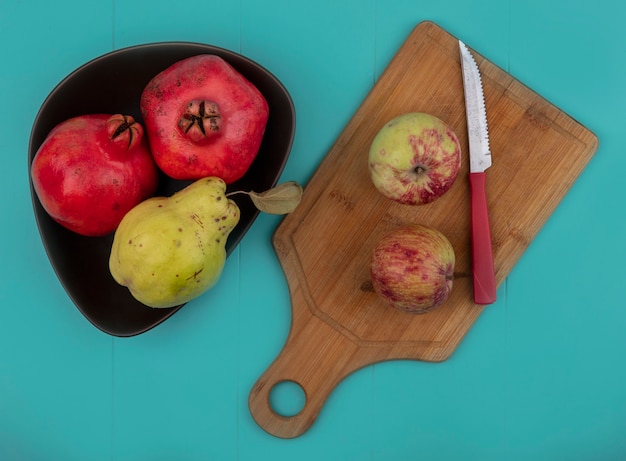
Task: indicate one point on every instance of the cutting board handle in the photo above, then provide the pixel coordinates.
(317, 358)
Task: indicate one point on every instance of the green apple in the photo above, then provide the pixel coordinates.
(414, 158)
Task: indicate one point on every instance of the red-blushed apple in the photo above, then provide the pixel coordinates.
(414, 158)
(412, 268)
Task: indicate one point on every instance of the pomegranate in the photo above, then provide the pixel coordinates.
(91, 170)
(203, 118)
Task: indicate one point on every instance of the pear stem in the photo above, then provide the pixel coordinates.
(235, 192)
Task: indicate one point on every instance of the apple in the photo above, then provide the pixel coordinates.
(412, 268)
(414, 158)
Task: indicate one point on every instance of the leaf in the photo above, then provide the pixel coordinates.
(281, 199)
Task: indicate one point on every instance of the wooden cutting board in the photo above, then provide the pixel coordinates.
(339, 324)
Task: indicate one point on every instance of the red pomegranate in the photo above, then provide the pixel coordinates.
(203, 118)
(91, 170)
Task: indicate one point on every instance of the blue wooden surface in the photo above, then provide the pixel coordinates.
(540, 376)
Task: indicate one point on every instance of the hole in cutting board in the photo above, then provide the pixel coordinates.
(287, 398)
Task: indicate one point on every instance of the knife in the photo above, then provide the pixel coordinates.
(480, 160)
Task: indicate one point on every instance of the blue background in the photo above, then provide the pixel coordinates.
(540, 376)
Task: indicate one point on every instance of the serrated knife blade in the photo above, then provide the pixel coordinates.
(483, 272)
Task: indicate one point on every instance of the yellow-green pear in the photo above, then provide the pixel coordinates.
(169, 250)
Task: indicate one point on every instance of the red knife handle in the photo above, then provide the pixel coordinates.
(482, 254)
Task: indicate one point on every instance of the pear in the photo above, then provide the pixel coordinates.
(170, 250)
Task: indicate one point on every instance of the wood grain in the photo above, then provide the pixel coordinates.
(339, 324)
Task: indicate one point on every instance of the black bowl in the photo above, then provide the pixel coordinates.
(112, 84)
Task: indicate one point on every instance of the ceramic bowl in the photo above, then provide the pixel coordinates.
(113, 83)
